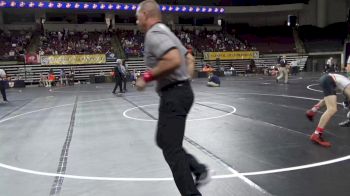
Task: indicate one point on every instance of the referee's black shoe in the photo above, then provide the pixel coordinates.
(204, 178)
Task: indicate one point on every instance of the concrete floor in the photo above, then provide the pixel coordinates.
(251, 131)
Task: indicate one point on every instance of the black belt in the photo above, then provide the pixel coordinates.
(175, 84)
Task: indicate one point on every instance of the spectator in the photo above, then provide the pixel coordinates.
(214, 81)
(51, 78)
(294, 67)
(62, 77)
(330, 65)
(43, 80)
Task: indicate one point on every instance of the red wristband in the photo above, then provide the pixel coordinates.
(148, 76)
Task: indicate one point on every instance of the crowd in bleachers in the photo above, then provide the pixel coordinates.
(214, 41)
(204, 41)
(275, 39)
(69, 42)
(14, 44)
(186, 37)
(211, 41)
(132, 42)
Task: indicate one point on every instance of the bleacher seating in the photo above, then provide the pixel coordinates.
(266, 61)
(132, 43)
(14, 44)
(330, 38)
(75, 43)
(273, 40)
(83, 72)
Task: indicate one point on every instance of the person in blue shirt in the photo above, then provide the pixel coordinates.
(214, 81)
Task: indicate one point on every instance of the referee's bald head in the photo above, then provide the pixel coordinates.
(151, 7)
(148, 13)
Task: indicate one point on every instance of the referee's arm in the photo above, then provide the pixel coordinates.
(168, 63)
(190, 64)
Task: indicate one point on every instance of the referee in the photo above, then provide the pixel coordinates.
(3, 85)
(283, 70)
(118, 75)
(172, 66)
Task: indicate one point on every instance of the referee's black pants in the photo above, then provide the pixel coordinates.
(124, 83)
(175, 103)
(118, 83)
(2, 89)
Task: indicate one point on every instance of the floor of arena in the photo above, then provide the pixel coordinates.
(251, 131)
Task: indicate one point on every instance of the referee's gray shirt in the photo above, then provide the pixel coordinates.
(2, 72)
(158, 41)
